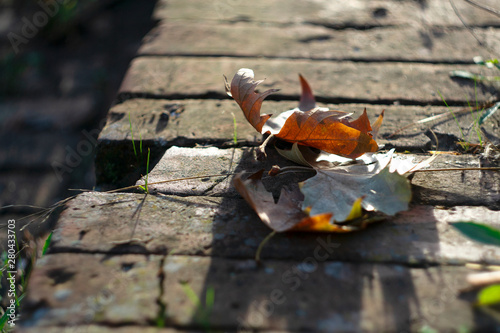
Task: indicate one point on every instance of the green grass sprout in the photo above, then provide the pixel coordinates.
(235, 130)
(132, 135)
(453, 114)
(46, 244)
(203, 312)
(140, 143)
(145, 186)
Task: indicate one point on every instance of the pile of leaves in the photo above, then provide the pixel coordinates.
(351, 179)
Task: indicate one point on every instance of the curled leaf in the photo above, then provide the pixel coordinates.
(327, 130)
(242, 89)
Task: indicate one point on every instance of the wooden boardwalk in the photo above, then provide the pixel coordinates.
(127, 262)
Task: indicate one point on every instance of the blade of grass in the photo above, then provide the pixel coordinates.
(261, 245)
(210, 299)
(140, 143)
(3, 321)
(145, 187)
(132, 135)
(190, 294)
(235, 130)
(474, 118)
(46, 244)
(147, 172)
(454, 117)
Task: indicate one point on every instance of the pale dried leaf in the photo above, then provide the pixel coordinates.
(335, 191)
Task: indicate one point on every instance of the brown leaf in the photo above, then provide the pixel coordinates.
(327, 130)
(243, 91)
(286, 215)
(307, 100)
(279, 217)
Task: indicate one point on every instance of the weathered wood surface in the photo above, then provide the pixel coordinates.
(357, 14)
(126, 261)
(227, 227)
(393, 43)
(273, 296)
(192, 121)
(368, 82)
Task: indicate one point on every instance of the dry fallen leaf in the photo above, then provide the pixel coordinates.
(350, 179)
(334, 200)
(286, 214)
(331, 131)
(243, 91)
(335, 190)
(279, 217)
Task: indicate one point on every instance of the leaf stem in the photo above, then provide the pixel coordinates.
(261, 151)
(261, 245)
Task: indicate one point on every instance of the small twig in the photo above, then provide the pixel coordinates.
(294, 168)
(465, 24)
(443, 116)
(131, 240)
(169, 181)
(461, 169)
(484, 7)
(482, 266)
(483, 279)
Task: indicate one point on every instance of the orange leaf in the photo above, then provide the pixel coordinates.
(327, 130)
(324, 130)
(362, 124)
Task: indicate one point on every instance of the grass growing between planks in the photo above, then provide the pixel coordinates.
(17, 278)
(203, 311)
(483, 114)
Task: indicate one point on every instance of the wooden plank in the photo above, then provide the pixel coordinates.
(192, 121)
(444, 188)
(174, 77)
(357, 13)
(317, 296)
(408, 43)
(227, 227)
(160, 124)
(95, 292)
(84, 289)
(176, 121)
